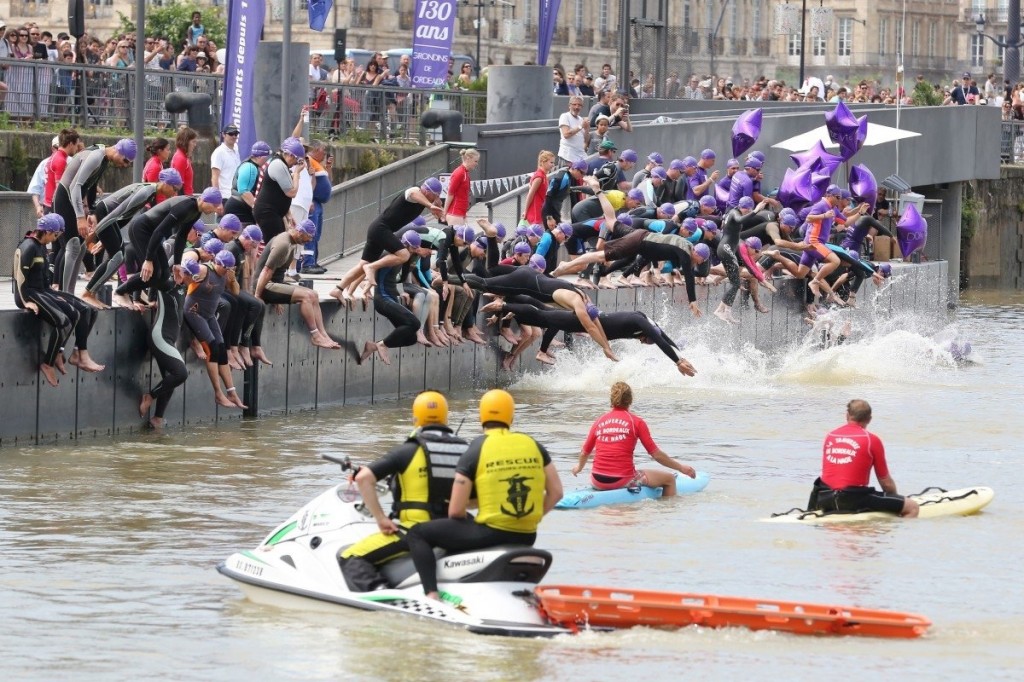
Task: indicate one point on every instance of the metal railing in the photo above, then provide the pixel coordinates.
(1011, 142)
(103, 96)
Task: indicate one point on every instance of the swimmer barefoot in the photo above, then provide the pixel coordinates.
(81, 359)
(370, 347)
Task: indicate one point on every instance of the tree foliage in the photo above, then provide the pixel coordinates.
(172, 19)
(925, 94)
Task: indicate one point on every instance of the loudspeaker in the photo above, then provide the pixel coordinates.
(340, 35)
(76, 18)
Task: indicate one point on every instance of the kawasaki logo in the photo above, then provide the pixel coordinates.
(460, 563)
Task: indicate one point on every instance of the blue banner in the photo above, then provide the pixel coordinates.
(546, 28)
(318, 12)
(432, 42)
(245, 24)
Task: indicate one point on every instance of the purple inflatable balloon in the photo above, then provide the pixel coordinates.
(817, 158)
(745, 131)
(820, 182)
(911, 231)
(863, 185)
(850, 144)
(840, 123)
(797, 189)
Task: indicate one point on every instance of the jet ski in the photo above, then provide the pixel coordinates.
(488, 591)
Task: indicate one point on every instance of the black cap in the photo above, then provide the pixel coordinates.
(230, 129)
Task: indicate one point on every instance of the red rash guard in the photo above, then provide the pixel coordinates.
(613, 438)
(849, 454)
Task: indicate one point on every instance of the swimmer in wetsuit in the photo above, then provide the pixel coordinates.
(744, 216)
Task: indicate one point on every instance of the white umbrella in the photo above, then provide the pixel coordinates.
(877, 134)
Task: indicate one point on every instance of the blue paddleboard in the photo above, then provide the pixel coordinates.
(588, 498)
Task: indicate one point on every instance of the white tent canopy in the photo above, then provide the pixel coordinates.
(877, 134)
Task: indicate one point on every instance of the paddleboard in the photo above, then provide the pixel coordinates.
(588, 498)
(934, 502)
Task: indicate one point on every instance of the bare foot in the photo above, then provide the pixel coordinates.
(90, 298)
(584, 283)
(223, 400)
(243, 353)
(761, 308)
(236, 399)
(815, 289)
(725, 316)
(157, 423)
(341, 295)
(507, 363)
(145, 404)
(49, 373)
(321, 340)
(555, 343)
(545, 358)
(198, 349)
(258, 354)
(492, 307)
(59, 363)
(123, 301)
(235, 360)
(509, 335)
(421, 339)
(369, 348)
(382, 353)
(474, 336)
(85, 363)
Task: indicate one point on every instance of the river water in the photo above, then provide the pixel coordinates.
(109, 546)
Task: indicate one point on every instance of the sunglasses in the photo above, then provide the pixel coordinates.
(231, 134)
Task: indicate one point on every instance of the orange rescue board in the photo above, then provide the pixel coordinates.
(574, 605)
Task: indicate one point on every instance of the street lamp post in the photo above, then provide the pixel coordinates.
(1011, 43)
(479, 4)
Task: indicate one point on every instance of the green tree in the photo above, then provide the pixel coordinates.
(925, 95)
(172, 19)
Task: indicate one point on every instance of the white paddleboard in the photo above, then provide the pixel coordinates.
(934, 502)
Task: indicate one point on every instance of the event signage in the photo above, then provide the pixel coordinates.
(433, 31)
(245, 24)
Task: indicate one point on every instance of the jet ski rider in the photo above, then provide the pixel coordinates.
(514, 482)
(423, 468)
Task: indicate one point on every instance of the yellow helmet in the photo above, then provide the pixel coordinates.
(497, 406)
(430, 407)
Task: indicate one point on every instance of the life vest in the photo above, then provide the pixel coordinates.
(509, 482)
(423, 490)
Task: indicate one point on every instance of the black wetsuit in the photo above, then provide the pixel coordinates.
(147, 232)
(386, 302)
(163, 335)
(729, 249)
(522, 281)
(113, 213)
(854, 237)
(245, 326)
(59, 309)
(74, 193)
(201, 304)
(381, 234)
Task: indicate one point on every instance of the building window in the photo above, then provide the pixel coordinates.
(1002, 10)
(899, 38)
(757, 19)
(977, 50)
(978, 7)
(915, 38)
(818, 47)
(845, 39)
(734, 20)
(794, 45)
(883, 36)
(579, 15)
(686, 13)
(528, 15)
(602, 16)
(933, 37)
(948, 52)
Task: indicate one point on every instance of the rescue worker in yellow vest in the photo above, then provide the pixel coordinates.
(514, 483)
(423, 469)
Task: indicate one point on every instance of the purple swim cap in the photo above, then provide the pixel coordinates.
(668, 209)
(565, 228)
(804, 212)
(690, 224)
(845, 194)
(579, 164)
(126, 148)
(536, 231)
(230, 222)
(307, 226)
(412, 239)
(432, 185)
(628, 155)
(708, 154)
(192, 267)
(702, 251)
(593, 311)
(537, 262)
(253, 232)
(480, 243)
(754, 163)
(51, 222)
(293, 146)
(521, 248)
(522, 230)
(213, 246)
(745, 203)
(170, 176)
(885, 269)
(834, 191)
(659, 172)
(676, 164)
(212, 195)
(260, 148)
(500, 229)
(854, 253)
(689, 162)
(754, 243)
(708, 201)
(756, 155)
(624, 219)
(225, 259)
(788, 217)
(635, 195)
(655, 157)
(200, 227)
(732, 163)
(419, 221)
(465, 233)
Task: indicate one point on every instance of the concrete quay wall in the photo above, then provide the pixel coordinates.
(306, 378)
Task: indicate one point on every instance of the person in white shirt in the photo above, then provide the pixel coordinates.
(303, 199)
(574, 132)
(37, 185)
(224, 161)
